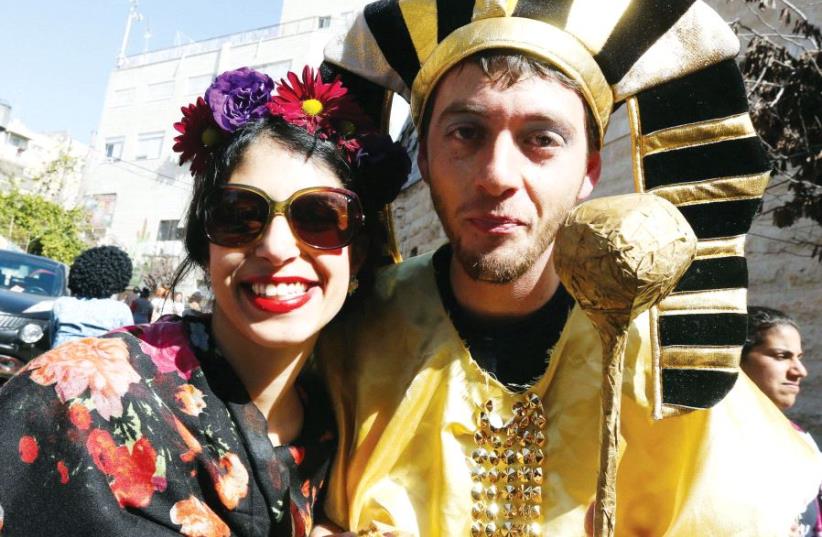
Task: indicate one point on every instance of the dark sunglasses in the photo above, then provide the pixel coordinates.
(325, 218)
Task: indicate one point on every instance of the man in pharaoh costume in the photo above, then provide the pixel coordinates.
(469, 384)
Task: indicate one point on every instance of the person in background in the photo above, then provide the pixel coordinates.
(178, 306)
(95, 275)
(195, 304)
(772, 358)
(142, 307)
(161, 302)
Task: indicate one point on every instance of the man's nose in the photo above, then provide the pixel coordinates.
(502, 166)
(798, 368)
(278, 244)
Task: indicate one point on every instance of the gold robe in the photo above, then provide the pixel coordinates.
(408, 395)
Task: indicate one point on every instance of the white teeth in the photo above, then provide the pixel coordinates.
(281, 290)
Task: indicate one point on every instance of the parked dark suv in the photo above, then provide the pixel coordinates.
(28, 286)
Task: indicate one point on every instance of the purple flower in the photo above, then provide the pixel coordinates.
(236, 97)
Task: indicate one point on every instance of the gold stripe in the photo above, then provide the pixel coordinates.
(725, 189)
(696, 134)
(656, 363)
(709, 249)
(722, 301)
(536, 38)
(484, 9)
(635, 125)
(701, 357)
(420, 18)
(593, 21)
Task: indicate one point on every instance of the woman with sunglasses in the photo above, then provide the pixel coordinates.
(212, 426)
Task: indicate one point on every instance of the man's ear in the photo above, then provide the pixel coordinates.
(591, 178)
(422, 159)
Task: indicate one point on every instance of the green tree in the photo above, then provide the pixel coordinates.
(42, 227)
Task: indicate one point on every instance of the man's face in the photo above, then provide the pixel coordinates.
(775, 365)
(505, 165)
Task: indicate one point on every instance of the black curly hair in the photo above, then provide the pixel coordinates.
(100, 272)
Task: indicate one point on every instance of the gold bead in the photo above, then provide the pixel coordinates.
(539, 421)
(491, 492)
(496, 442)
(533, 400)
(507, 528)
(477, 510)
(524, 475)
(527, 456)
(536, 494)
(509, 475)
(533, 529)
(539, 439)
(539, 456)
(492, 511)
(491, 530)
(508, 492)
(536, 475)
(480, 438)
(478, 473)
(476, 529)
(523, 423)
(479, 456)
(509, 456)
(518, 408)
(509, 511)
(484, 422)
(519, 493)
(492, 475)
(535, 512)
(489, 405)
(477, 491)
(527, 438)
(493, 457)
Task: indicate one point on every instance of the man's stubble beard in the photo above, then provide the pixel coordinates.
(501, 265)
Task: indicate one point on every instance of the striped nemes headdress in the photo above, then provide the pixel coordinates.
(671, 63)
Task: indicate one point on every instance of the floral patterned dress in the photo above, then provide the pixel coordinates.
(147, 431)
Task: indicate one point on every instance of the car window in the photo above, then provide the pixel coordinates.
(24, 274)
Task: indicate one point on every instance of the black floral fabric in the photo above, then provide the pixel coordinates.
(148, 431)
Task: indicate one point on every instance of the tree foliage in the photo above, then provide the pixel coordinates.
(42, 227)
(782, 67)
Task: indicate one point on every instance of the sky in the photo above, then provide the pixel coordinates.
(56, 55)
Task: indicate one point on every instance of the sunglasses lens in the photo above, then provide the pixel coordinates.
(236, 217)
(326, 219)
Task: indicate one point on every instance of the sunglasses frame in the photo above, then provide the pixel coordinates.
(283, 208)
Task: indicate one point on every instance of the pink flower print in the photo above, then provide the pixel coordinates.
(99, 365)
(167, 345)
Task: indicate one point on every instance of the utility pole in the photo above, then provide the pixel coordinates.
(133, 15)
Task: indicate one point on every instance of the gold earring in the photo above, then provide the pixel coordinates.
(353, 285)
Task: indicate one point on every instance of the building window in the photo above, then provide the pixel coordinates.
(324, 22)
(275, 70)
(197, 85)
(122, 97)
(20, 142)
(169, 231)
(114, 147)
(149, 146)
(160, 91)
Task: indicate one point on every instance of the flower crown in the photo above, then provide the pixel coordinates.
(324, 109)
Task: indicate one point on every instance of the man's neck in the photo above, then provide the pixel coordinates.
(518, 298)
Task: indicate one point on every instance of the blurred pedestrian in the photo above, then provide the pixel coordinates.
(142, 308)
(772, 358)
(95, 275)
(195, 304)
(161, 302)
(178, 306)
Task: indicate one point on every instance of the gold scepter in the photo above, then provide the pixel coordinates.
(619, 256)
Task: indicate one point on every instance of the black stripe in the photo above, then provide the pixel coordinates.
(703, 329)
(712, 93)
(369, 95)
(642, 24)
(730, 158)
(385, 21)
(721, 218)
(452, 14)
(718, 273)
(695, 388)
(554, 12)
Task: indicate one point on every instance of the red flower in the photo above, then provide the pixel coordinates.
(64, 477)
(133, 472)
(80, 416)
(322, 108)
(28, 449)
(198, 133)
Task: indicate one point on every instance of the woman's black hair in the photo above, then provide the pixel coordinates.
(230, 154)
(760, 320)
(100, 272)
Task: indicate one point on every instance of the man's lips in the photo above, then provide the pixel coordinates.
(791, 386)
(495, 225)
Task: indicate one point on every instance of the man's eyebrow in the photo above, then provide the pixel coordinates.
(464, 107)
